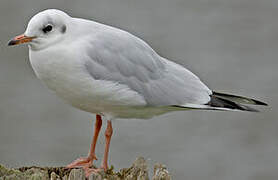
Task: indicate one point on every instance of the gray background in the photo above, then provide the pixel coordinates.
(231, 44)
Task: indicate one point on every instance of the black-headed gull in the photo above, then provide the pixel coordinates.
(114, 74)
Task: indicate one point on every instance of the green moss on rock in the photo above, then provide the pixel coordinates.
(30, 174)
(138, 171)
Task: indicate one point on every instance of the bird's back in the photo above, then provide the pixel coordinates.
(118, 56)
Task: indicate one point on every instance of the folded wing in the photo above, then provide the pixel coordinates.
(117, 56)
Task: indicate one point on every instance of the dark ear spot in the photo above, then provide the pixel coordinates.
(64, 29)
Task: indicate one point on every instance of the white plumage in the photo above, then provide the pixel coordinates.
(105, 70)
(110, 72)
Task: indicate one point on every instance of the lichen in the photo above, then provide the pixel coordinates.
(31, 173)
(138, 171)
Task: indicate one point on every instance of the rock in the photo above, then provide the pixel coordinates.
(77, 174)
(54, 176)
(138, 171)
(160, 172)
(32, 173)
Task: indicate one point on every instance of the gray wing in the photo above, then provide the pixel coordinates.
(117, 56)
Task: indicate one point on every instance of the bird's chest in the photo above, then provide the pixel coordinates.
(66, 76)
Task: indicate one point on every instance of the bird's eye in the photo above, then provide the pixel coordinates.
(47, 29)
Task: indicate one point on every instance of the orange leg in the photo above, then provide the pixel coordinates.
(104, 166)
(108, 135)
(96, 132)
(88, 161)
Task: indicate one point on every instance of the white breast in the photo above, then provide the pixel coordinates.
(66, 75)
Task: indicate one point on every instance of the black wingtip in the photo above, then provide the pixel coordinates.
(225, 103)
(254, 101)
(260, 102)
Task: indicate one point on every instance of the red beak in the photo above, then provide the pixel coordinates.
(20, 40)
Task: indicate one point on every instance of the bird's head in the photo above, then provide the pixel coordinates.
(44, 29)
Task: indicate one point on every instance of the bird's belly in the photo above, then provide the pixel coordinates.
(70, 81)
(74, 89)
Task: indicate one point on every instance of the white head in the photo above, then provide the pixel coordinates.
(44, 29)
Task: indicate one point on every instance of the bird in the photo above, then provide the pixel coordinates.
(109, 72)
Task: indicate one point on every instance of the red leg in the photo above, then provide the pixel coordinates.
(88, 161)
(108, 135)
(94, 141)
(104, 166)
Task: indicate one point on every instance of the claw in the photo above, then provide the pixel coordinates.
(82, 162)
